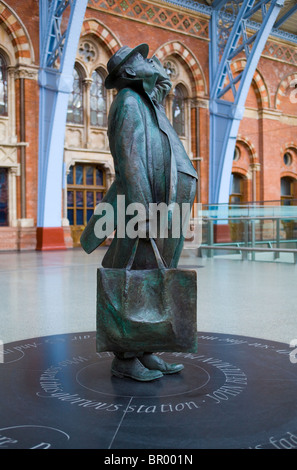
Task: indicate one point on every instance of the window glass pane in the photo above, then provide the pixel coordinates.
(99, 177)
(70, 198)
(286, 202)
(178, 111)
(78, 174)
(235, 199)
(75, 102)
(98, 100)
(79, 217)
(70, 176)
(79, 199)
(285, 187)
(3, 197)
(99, 197)
(3, 86)
(90, 175)
(70, 216)
(90, 199)
(90, 212)
(236, 184)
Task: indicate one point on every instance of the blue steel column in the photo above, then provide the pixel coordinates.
(57, 57)
(225, 116)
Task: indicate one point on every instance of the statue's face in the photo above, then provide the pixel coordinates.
(142, 68)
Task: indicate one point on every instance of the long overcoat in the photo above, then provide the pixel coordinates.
(149, 160)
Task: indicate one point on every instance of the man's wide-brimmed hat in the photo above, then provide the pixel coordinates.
(119, 58)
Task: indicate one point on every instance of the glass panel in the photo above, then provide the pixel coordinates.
(178, 111)
(79, 217)
(90, 212)
(90, 175)
(3, 197)
(90, 199)
(70, 176)
(70, 200)
(99, 177)
(99, 197)
(70, 216)
(3, 87)
(98, 100)
(78, 174)
(79, 199)
(75, 102)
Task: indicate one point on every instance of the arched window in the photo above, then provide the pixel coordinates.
(3, 86)
(75, 113)
(98, 105)
(178, 110)
(86, 186)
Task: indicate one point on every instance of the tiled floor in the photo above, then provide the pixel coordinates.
(44, 293)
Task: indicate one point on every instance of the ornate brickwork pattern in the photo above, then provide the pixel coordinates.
(92, 26)
(15, 31)
(281, 52)
(199, 87)
(156, 15)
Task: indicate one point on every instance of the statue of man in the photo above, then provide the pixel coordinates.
(151, 166)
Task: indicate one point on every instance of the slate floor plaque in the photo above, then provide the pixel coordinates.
(235, 393)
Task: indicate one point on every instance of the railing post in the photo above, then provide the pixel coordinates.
(210, 237)
(253, 238)
(246, 239)
(276, 253)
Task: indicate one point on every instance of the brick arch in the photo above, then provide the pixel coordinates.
(199, 83)
(247, 143)
(93, 26)
(283, 86)
(288, 174)
(237, 170)
(18, 34)
(290, 145)
(261, 88)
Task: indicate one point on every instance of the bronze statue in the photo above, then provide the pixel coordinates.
(151, 166)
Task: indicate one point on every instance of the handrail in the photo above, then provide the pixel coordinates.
(249, 239)
(244, 249)
(248, 217)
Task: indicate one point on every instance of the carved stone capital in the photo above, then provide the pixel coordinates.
(27, 72)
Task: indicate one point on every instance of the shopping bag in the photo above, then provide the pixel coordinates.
(146, 310)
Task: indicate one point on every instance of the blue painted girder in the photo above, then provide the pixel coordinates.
(58, 51)
(225, 116)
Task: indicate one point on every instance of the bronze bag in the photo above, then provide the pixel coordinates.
(146, 310)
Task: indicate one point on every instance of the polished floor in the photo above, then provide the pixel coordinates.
(238, 391)
(48, 293)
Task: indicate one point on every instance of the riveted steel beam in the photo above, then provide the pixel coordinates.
(60, 26)
(228, 90)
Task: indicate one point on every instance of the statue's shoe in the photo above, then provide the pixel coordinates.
(133, 369)
(154, 362)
